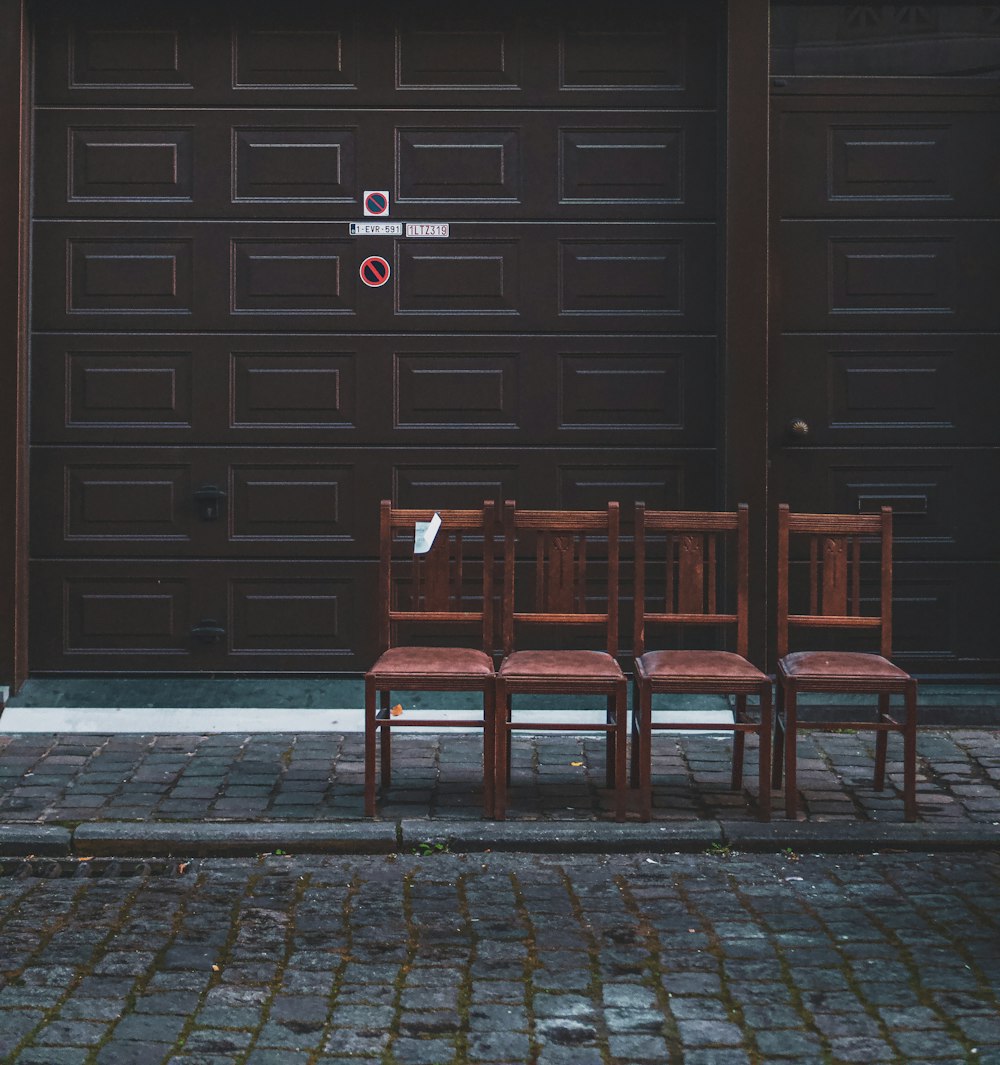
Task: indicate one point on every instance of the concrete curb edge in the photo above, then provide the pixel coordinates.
(43, 841)
(232, 839)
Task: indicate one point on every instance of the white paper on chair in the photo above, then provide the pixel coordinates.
(424, 533)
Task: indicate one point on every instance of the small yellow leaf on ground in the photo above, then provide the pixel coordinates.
(215, 968)
(576, 763)
(396, 710)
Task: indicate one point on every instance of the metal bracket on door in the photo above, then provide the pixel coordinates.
(209, 499)
(208, 630)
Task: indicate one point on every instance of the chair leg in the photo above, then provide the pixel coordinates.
(739, 744)
(385, 736)
(881, 743)
(778, 736)
(644, 708)
(791, 774)
(910, 753)
(508, 732)
(764, 754)
(370, 727)
(620, 747)
(489, 748)
(633, 765)
(501, 739)
(611, 755)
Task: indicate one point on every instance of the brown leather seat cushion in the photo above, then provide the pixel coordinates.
(723, 664)
(451, 661)
(596, 664)
(847, 664)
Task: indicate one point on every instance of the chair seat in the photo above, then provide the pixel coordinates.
(700, 665)
(582, 665)
(433, 661)
(840, 665)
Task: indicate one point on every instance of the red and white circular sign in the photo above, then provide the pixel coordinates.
(375, 271)
(377, 204)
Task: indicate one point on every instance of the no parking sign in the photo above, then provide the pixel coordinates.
(377, 204)
(375, 271)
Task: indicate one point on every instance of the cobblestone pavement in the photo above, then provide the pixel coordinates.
(275, 777)
(440, 959)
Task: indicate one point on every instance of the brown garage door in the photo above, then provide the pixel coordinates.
(218, 403)
(887, 253)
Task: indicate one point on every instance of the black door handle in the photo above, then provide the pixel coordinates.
(209, 499)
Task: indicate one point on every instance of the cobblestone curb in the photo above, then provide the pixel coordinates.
(233, 839)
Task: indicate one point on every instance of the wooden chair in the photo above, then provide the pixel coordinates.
(560, 599)
(834, 602)
(692, 594)
(429, 593)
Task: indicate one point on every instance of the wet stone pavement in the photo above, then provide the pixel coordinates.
(441, 959)
(288, 777)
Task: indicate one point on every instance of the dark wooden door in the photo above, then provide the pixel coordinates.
(885, 316)
(219, 403)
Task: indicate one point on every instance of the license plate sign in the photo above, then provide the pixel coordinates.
(376, 229)
(428, 229)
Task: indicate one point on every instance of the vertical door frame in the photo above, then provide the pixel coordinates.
(14, 214)
(745, 277)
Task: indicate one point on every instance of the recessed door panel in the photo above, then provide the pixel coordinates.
(129, 163)
(317, 502)
(597, 390)
(878, 389)
(127, 615)
(333, 54)
(205, 616)
(286, 278)
(938, 612)
(937, 511)
(889, 164)
(915, 277)
(445, 164)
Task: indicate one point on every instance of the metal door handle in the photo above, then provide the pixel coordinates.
(799, 428)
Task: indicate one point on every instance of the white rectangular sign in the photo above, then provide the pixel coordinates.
(376, 229)
(428, 229)
(424, 533)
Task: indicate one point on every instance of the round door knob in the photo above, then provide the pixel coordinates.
(799, 428)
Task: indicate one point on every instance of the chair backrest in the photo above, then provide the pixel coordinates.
(694, 549)
(834, 577)
(561, 568)
(434, 589)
